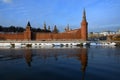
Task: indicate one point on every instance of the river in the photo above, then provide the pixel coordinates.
(78, 63)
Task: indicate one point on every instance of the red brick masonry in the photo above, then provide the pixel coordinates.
(80, 33)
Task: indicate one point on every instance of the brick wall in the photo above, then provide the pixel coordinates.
(28, 35)
(58, 36)
(11, 36)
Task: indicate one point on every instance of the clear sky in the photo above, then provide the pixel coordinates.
(101, 14)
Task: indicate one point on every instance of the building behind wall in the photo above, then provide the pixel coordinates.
(28, 34)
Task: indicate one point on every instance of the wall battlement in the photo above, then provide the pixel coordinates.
(80, 33)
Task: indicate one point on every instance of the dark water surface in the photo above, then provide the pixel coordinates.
(60, 64)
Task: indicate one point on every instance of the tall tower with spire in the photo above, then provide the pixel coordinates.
(84, 27)
(27, 33)
(45, 26)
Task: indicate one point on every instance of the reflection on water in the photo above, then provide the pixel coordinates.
(60, 64)
(81, 56)
(28, 57)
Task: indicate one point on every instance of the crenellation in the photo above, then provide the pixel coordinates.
(28, 34)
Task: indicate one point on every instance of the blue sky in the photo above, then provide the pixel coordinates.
(101, 14)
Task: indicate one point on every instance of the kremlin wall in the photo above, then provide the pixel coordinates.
(77, 34)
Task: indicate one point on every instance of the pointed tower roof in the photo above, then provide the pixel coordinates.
(84, 15)
(28, 27)
(44, 26)
(28, 24)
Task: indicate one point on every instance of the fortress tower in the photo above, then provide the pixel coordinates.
(27, 33)
(84, 26)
